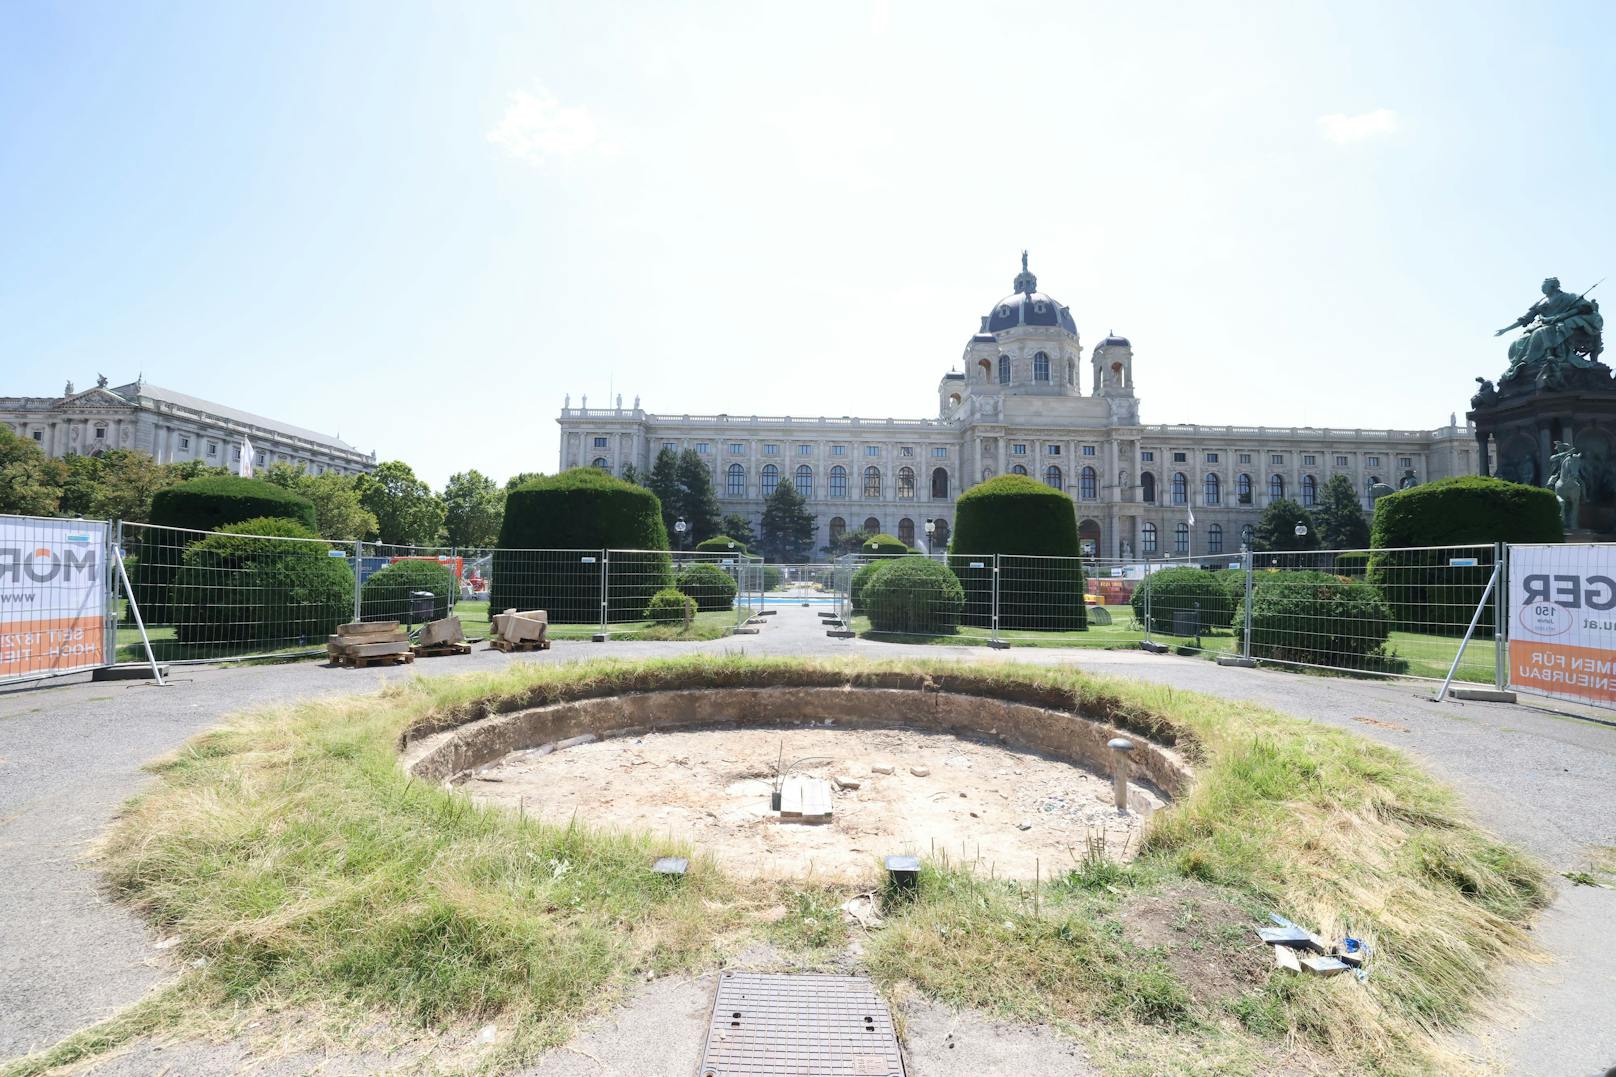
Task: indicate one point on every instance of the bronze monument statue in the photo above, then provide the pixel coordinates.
(1560, 329)
(1565, 479)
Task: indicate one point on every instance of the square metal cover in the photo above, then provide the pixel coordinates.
(808, 1025)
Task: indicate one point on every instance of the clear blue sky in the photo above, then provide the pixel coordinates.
(420, 225)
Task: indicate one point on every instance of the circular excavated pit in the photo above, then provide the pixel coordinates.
(1016, 788)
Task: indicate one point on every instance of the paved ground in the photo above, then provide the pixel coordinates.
(71, 752)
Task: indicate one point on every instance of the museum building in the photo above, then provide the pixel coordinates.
(1022, 405)
(171, 426)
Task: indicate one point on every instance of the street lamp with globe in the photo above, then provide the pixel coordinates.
(679, 529)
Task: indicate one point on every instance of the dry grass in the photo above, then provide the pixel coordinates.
(290, 851)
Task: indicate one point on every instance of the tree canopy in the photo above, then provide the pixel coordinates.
(788, 525)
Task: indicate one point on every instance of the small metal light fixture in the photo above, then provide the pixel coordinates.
(1120, 747)
(680, 527)
(1301, 530)
(904, 871)
(671, 865)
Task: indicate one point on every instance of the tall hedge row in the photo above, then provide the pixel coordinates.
(205, 504)
(1030, 524)
(1426, 593)
(247, 586)
(549, 551)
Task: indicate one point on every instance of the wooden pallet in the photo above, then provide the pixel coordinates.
(440, 650)
(365, 661)
(524, 645)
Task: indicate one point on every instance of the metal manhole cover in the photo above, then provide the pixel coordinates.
(771, 1025)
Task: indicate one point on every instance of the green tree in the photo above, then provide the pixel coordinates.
(664, 483)
(739, 528)
(1340, 517)
(698, 502)
(1276, 530)
(407, 512)
(31, 483)
(337, 509)
(473, 507)
(520, 477)
(788, 525)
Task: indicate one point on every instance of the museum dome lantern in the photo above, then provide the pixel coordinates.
(1027, 306)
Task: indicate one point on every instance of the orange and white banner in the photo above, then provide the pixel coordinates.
(53, 596)
(1562, 621)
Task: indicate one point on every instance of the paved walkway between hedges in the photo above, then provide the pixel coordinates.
(70, 753)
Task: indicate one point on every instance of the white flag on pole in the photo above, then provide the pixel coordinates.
(244, 465)
(1191, 510)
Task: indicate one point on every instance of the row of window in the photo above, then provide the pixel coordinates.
(1019, 448)
(1040, 368)
(1308, 459)
(837, 527)
(803, 480)
(1150, 539)
(1212, 488)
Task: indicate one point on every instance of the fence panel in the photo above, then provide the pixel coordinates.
(56, 613)
(1560, 608)
(208, 595)
(1401, 612)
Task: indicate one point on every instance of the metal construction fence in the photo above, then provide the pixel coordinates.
(1405, 612)
(82, 594)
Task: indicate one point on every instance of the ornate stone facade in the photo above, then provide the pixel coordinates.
(171, 426)
(1020, 405)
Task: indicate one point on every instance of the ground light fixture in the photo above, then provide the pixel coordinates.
(904, 871)
(673, 866)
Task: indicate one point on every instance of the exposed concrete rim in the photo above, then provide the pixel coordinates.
(449, 754)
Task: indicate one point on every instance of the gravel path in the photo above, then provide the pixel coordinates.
(70, 753)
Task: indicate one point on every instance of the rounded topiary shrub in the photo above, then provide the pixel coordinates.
(258, 585)
(709, 585)
(668, 606)
(861, 579)
(884, 546)
(205, 504)
(913, 594)
(721, 544)
(1352, 563)
(774, 577)
(1426, 593)
(1320, 619)
(1183, 601)
(551, 542)
(386, 594)
(1033, 527)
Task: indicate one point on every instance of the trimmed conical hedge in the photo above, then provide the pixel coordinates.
(1033, 527)
(553, 523)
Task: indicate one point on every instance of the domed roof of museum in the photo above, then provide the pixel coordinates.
(1028, 306)
(1114, 339)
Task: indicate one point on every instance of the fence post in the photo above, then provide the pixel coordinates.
(1501, 618)
(1145, 583)
(995, 629)
(110, 643)
(1245, 639)
(605, 589)
(358, 552)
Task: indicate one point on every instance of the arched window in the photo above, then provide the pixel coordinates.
(1181, 488)
(939, 534)
(1147, 487)
(838, 481)
(1053, 477)
(1242, 489)
(906, 485)
(1088, 484)
(1214, 539)
(1017, 469)
(987, 368)
(1181, 538)
(872, 525)
(600, 462)
(805, 480)
(872, 481)
(771, 479)
(906, 531)
(735, 481)
(1276, 487)
(1214, 491)
(939, 483)
(1004, 370)
(1147, 538)
(1040, 367)
(836, 528)
(1310, 490)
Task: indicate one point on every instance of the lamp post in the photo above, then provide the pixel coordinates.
(931, 528)
(679, 529)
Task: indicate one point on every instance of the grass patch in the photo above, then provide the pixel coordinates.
(291, 852)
